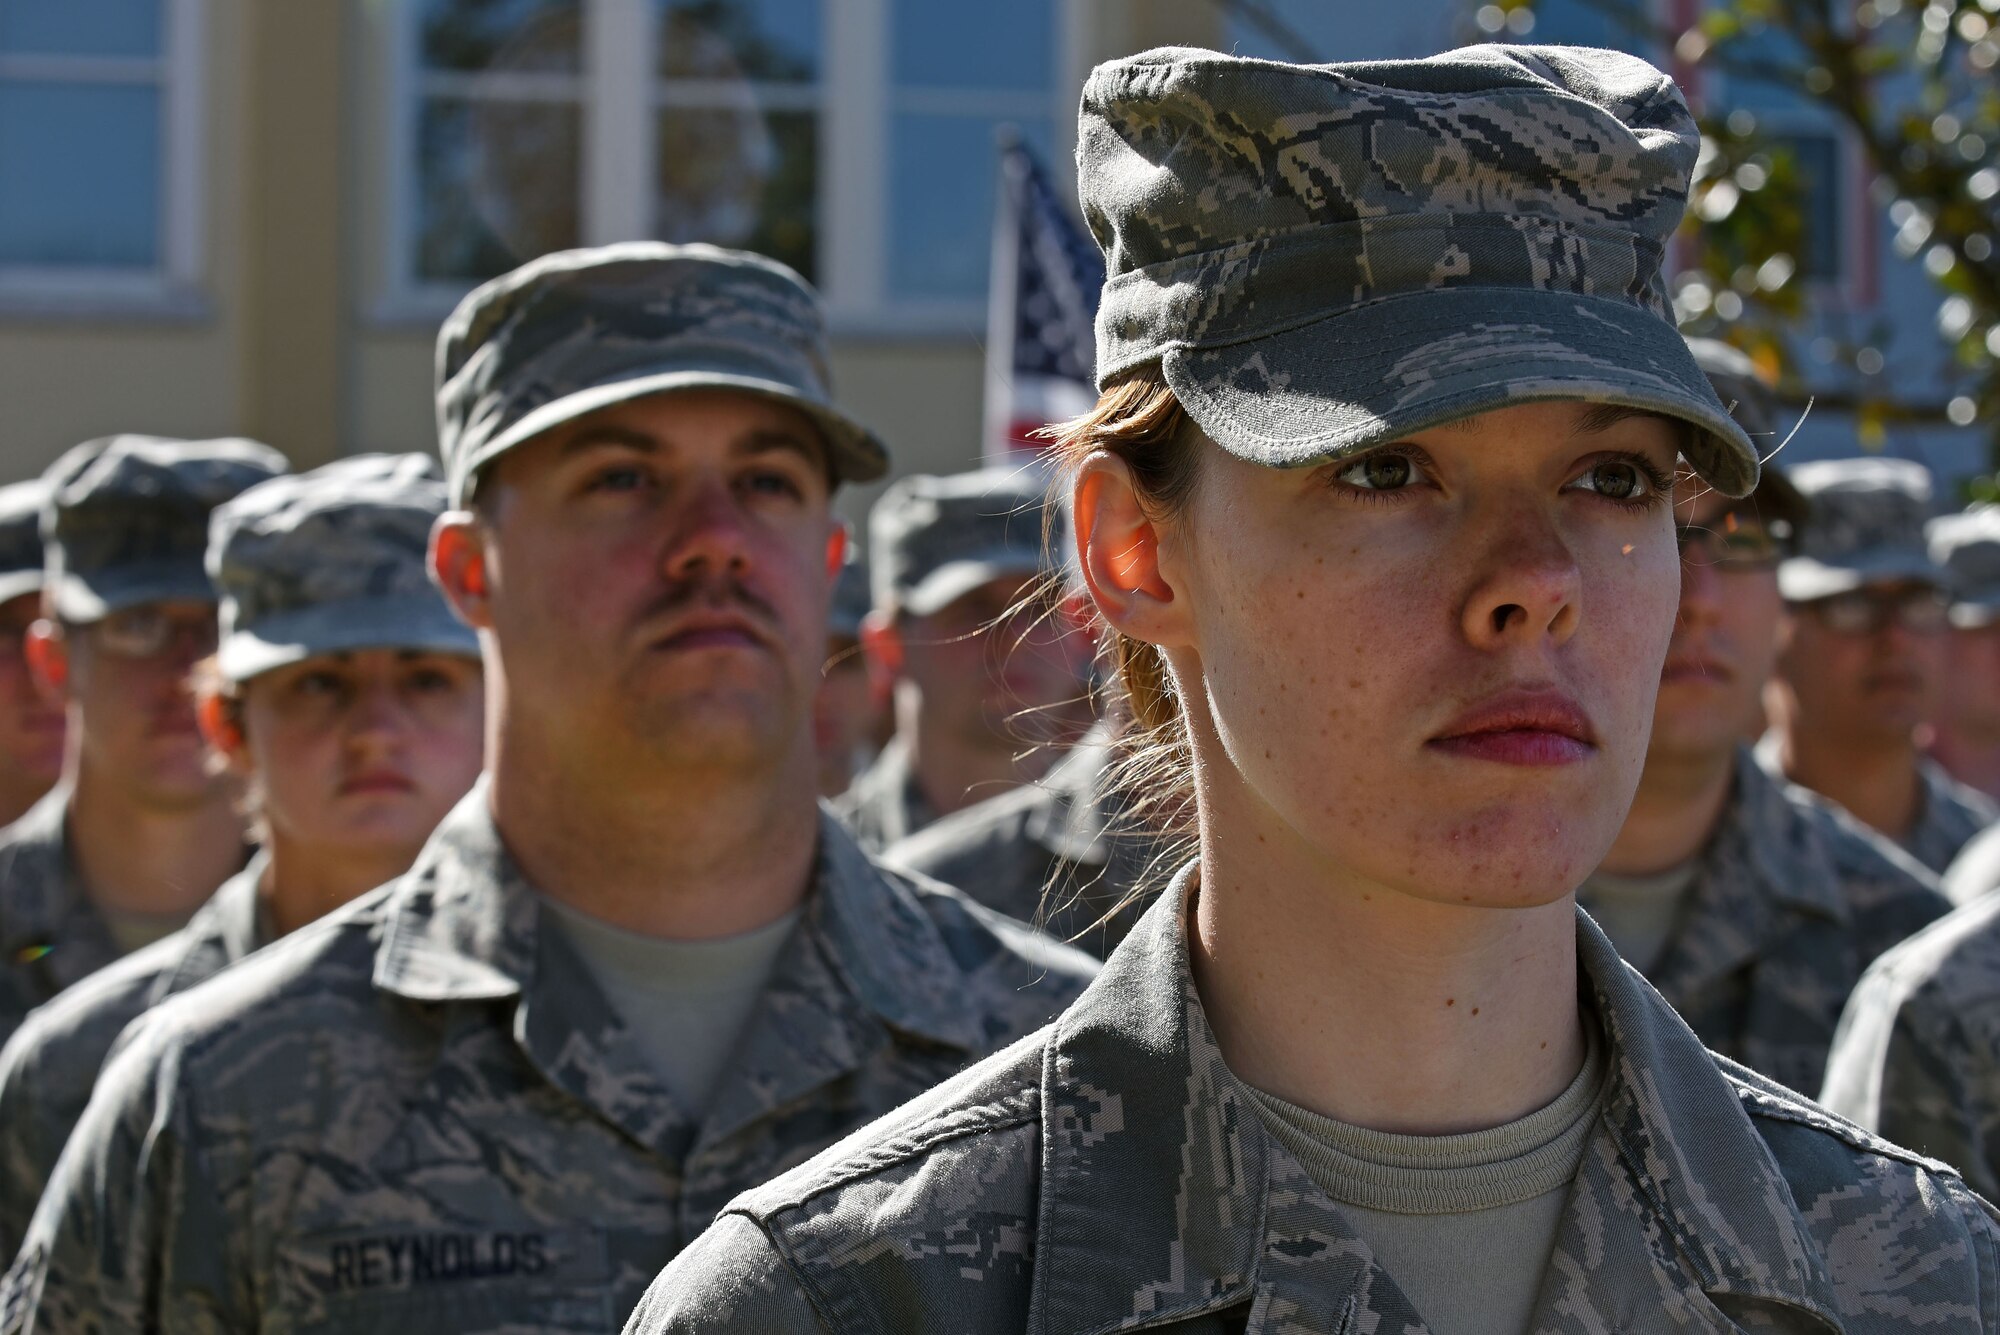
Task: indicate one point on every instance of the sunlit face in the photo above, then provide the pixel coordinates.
(1866, 689)
(998, 668)
(1726, 639)
(1432, 667)
(363, 751)
(31, 727)
(127, 682)
(656, 578)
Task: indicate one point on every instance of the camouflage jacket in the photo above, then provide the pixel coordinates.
(1058, 853)
(883, 804)
(1976, 870)
(1917, 1058)
(419, 1113)
(1791, 899)
(50, 936)
(1953, 813)
(1111, 1173)
(48, 1067)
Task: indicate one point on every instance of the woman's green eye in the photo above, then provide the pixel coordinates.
(1618, 479)
(1380, 472)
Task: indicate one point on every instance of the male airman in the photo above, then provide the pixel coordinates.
(636, 971)
(139, 831)
(990, 680)
(31, 728)
(1861, 660)
(1751, 904)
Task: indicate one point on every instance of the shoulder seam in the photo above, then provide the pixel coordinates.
(1022, 1107)
(1838, 1128)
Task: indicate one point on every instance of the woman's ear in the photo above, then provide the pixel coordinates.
(1119, 549)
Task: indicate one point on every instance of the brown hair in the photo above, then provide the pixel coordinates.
(1138, 420)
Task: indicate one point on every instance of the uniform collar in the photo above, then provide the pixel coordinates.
(225, 929)
(46, 919)
(1162, 1195)
(1072, 820)
(466, 926)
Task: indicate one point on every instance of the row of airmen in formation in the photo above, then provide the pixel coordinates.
(621, 967)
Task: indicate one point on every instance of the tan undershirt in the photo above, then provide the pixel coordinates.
(135, 931)
(1639, 913)
(1464, 1224)
(684, 1003)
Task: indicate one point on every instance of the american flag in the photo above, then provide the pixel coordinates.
(1041, 305)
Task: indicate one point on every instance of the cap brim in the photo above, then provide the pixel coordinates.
(1976, 613)
(1801, 579)
(1377, 373)
(953, 580)
(81, 600)
(418, 625)
(857, 454)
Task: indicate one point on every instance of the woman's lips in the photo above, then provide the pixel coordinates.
(1533, 727)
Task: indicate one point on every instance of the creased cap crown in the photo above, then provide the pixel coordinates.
(579, 330)
(21, 568)
(126, 519)
(932, 540)
(1867, 527)
(332, 560)
(1324, 258)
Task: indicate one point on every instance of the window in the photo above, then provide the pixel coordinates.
(864, 156)
(1821, 166)
(99, 150)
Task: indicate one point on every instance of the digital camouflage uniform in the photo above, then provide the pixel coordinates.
(1322, 259)
(427, 1088)
(1060, 853)
(1111, 1172)
(1917, 1058)
(1791, 899)
(326, 561)
(1953, 813)
(931, 541)
(49, 1066)
(125, 524)
(421, 1112)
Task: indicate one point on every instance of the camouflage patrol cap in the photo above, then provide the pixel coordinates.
(1743, 391)
(1967, 545)
(1325, 258)
(1867, 527)
(579, 330)
(932, 540)
(850, 599)
(21, 538)
(331, 560)
(126, 520)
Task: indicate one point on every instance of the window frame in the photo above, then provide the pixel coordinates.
(852, 98)
(172, 288)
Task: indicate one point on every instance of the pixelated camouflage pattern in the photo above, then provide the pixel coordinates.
(419, 1113)
(1791, 899)
(1111, 1173)
(1060, 854)
(1323, 258)
(47, 1069)
(932, 540)
(1867, 524)
(1953, 814)
(50, 936)
(127, 518)
(578, 330)
(21, 537)
(1740, 387)
(331, 560)
(1917, 1059)
(1967, 546)
(883, 803)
